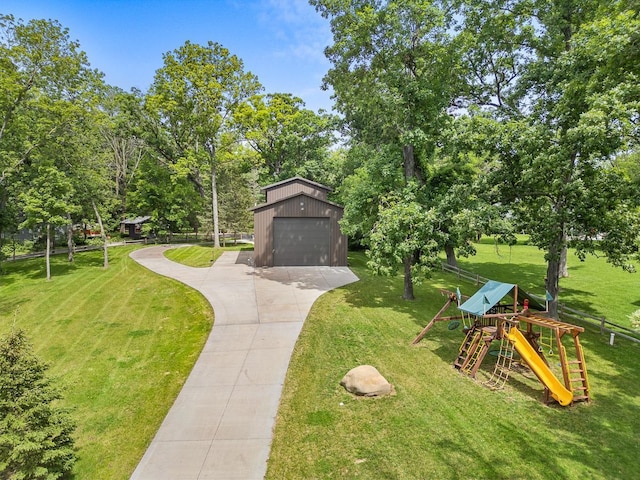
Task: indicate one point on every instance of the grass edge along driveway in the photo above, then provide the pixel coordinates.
(120, 341)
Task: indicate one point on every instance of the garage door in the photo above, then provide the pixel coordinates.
(301, 241)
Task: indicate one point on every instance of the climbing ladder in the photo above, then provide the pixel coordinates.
(574, 371)
(469, 344)
(578, 377)
(502, 369)
(473, 350)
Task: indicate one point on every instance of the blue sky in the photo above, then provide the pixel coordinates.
(280, 41)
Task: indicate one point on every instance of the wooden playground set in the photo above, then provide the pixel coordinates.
(521, 327)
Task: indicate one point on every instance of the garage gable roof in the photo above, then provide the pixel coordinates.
(300, 194)
(296, 179)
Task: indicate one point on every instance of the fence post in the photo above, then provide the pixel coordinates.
(602, 320)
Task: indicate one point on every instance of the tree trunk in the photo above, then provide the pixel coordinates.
(211, 148)
(408, 280)
(214, 205)
(3, 203)
(451, 256)
(47, 252)
(70, 249)
(564, 270)
(553, 268)
(553, 274)
(103, 236)
(409, 162)
(1, 257)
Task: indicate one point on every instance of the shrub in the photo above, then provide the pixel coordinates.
(19, 248)
(35, 434)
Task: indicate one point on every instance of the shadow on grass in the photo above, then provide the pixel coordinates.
(590, 434)
(579, 441)
(527, 275)
(35, 268)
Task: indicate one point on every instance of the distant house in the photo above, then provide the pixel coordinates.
(133, 226)
(86, 230)
(297, 225)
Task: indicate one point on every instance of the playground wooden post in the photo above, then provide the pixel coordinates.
(424, 331)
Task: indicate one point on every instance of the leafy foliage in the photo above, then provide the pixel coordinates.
(404, 229)
(563, 109)
(35, 434)
(191, 103)
(289, 139)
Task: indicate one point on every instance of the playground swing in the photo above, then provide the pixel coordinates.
(543, 343)
(467, 321)
(453, 324)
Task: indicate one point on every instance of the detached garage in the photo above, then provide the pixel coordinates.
(298, 226)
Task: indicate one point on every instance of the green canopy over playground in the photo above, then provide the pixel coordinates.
(491, 293)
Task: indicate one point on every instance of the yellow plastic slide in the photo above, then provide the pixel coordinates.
(535, 362)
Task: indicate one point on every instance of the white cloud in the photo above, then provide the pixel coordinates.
(304, 33)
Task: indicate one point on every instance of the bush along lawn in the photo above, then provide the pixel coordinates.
(120, 343)
(441, 424)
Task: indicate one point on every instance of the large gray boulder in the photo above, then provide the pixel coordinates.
(367, 381)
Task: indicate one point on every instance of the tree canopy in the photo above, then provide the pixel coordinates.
(192, 102)
(498, 115)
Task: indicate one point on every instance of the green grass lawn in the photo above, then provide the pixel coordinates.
(200, 255)
(441, 424)
(121, 342)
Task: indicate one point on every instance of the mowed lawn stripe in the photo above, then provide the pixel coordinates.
(120, 341)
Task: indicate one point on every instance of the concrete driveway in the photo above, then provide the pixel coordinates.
(221, 424)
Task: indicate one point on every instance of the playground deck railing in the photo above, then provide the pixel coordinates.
(602, 323)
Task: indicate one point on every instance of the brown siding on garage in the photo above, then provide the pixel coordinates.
(285, 189)
(262, 220)
(301, 206)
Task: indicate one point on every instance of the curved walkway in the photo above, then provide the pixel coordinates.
(221, 424)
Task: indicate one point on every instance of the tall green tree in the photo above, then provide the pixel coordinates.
(239, 189)
(92, 175)
(193, 98)
(45, 85)
(394, 73)
(289, 139)
(362, 192)
(167, 194)
(35, 433)
(48, 203)
(567, 105)
(123, 136)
